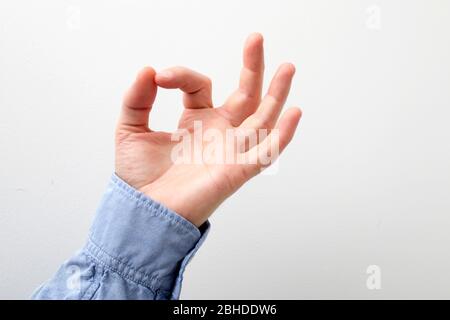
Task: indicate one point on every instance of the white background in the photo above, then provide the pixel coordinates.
(366, 181)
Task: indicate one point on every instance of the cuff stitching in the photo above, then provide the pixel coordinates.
(126, 271)
(155, 208)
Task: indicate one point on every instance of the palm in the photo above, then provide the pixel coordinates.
(152, 170)
(144, 158)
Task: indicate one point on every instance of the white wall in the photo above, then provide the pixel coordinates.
(365, 182)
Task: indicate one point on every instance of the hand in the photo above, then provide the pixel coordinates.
(144, 158)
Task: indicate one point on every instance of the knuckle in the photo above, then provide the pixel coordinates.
(208, 82)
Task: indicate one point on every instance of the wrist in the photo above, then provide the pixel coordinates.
(194, 208)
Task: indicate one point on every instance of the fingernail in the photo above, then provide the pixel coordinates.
(165, 74)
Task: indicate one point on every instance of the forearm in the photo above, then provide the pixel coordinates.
(137, 249)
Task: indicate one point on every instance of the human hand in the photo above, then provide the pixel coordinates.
(144, 158)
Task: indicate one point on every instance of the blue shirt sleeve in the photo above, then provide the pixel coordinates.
(137, 249)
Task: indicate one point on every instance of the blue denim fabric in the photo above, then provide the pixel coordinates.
(137, 249)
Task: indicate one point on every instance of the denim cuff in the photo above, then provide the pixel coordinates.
(142, 240)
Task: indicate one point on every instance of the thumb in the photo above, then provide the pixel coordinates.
(138, 102)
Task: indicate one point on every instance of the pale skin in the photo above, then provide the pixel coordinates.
(194, 191)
